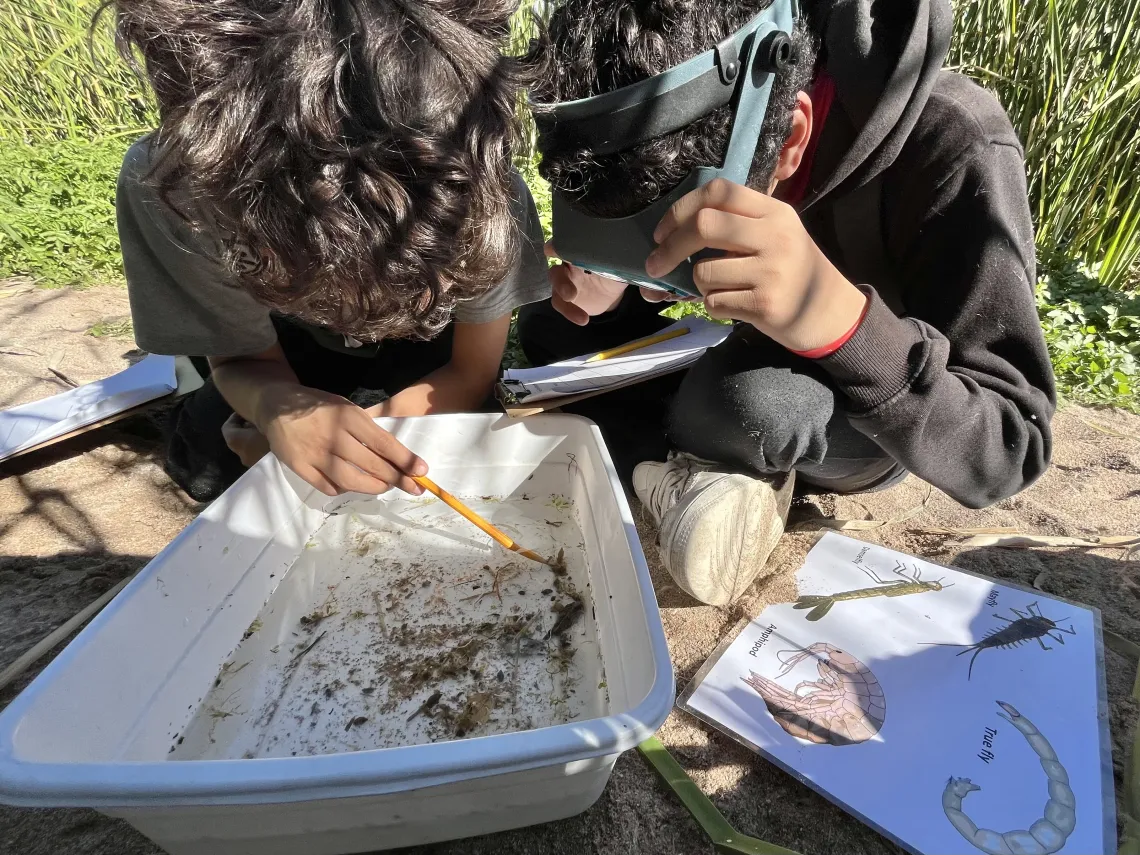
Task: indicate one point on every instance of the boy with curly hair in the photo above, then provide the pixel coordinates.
(327, 203)
(879, 268)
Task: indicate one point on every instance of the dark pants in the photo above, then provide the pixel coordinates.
(748, 404)
(199, 460)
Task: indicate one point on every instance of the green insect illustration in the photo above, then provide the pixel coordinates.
(914, 584)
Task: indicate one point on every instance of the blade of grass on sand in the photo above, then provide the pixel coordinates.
(725, 838)
(1027, 541)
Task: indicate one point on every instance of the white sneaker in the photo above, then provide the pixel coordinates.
(716, 529)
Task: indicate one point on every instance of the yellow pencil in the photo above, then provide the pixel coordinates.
(473, 517)
(638, 345)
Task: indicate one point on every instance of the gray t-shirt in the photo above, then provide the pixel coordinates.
(184, 303)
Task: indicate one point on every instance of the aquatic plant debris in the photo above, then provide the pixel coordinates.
(558, 563)
(426, 638)
(326, 610)
(566, 616)
(432, 700)
(476, 712)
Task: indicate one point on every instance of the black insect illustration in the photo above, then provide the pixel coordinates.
(1028, 627)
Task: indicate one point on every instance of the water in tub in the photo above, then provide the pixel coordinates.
(400, 624)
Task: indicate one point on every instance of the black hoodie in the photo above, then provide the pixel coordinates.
(949, 371)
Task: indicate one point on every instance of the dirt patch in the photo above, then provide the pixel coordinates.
(42, 330)
(76, 520)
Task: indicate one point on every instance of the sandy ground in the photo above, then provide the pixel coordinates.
(76, 519)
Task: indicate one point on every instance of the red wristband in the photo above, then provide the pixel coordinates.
(828, 349)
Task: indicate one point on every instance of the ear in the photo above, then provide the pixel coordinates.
(796, 144)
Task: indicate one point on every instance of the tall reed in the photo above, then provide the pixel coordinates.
(56, 82)
(1068, 73)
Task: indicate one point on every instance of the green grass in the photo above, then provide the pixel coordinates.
(1068, 74)
(1093, 333)
(112, 328)
(57, 211)
(56, 83)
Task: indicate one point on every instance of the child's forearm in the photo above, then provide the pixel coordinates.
(254, 386)
(445, 390)
(464, 383)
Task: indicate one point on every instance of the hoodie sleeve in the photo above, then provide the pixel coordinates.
(960, 390)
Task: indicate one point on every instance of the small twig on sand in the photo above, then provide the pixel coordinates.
(63, 377)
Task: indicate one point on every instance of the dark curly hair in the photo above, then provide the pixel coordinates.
(597, 46)
(360, 150)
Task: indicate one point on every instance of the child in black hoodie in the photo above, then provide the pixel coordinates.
(880, 271)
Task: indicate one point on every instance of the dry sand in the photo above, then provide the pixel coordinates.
(76, 519)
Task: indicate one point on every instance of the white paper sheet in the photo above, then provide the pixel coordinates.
(897, 716)
(31, 424)
(575, 376)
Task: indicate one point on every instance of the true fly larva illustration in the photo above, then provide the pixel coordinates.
(911, 583)
(1045, 836)
(845, 706)
(1033, 626)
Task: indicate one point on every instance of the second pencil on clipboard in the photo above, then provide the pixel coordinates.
(640, 344)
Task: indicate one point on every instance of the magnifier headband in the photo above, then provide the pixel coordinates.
(738, 71)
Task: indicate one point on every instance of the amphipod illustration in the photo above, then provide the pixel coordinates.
(1028, 627)
(845, 706)
(1045, 836)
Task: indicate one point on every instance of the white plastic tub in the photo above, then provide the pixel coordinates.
(101, 726)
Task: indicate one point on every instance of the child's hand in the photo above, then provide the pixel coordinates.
(244, 440)
(773, 276)
(579, 295)
(334, 445)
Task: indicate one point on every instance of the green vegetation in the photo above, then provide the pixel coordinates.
(56, 83)
(1093, 335)
(1067, 72)
(69, 107)
(57, 210)
(112, 328)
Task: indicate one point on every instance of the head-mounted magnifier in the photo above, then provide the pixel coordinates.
(738, 71)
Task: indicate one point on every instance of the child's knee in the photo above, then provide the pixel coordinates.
(768, 418)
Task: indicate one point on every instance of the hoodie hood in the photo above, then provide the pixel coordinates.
(884, 57)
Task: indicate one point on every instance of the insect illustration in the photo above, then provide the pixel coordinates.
(1028, 627)
(913, 584)
(845, 706)
(1045, 836)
